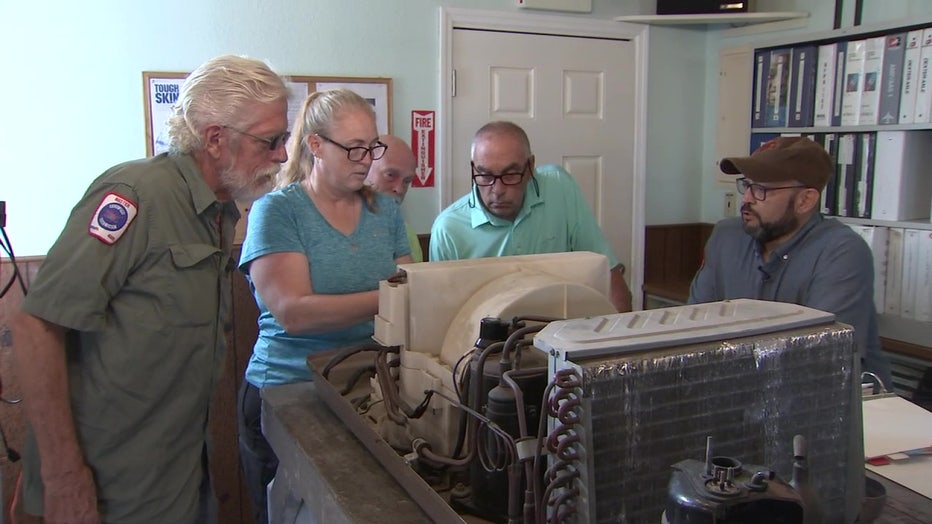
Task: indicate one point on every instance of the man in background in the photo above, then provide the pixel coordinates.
(121, 339)
(392, 174)
(522, 209)
(782, 249)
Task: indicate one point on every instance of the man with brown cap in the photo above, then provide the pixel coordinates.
(782, 249)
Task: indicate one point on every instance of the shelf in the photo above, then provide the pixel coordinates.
(906, 330)
(924, 126)
(715, 18)
(916, 223)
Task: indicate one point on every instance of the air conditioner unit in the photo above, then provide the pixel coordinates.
(652, 385)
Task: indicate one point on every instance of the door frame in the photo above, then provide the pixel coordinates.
(461, 18)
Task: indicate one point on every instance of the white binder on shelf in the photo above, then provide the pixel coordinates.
(871, 80)
(853, 83)
(876, 238)
(825, 85)
(923, 309)
(910, 77)
(911, 245)
(893, 283)
(902, 186)
(924, 91)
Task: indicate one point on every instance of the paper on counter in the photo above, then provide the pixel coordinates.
(893, 424)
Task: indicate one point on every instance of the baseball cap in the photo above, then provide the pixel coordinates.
(782, 159)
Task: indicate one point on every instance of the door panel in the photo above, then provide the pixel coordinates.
(575, 98)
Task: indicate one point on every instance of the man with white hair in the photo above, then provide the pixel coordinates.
(121, 339)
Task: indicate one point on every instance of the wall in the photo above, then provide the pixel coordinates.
(72, 95)
(822, 16)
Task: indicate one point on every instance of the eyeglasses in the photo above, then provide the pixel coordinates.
(356, 154)
(508, 178)
(274, 143)
(758, 191)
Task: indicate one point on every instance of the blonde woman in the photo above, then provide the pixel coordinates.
(315, 251)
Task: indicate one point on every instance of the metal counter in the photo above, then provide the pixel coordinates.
(324, 465)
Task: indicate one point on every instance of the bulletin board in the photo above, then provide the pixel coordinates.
(161, 89)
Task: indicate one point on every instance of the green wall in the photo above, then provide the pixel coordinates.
(72, 88)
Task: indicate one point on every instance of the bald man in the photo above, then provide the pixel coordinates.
(392, 174)
(518, 208)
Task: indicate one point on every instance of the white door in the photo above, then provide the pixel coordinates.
(576, 98)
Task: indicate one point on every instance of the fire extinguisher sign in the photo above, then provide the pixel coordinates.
(422, 144)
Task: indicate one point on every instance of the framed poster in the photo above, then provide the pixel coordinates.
(378, 91)
(161, 91)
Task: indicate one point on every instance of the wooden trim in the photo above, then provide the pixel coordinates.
(906, 348)
(424, 240)
(672, 255)
(677, 291)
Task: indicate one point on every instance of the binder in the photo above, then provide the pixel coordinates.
(910, 77)
(893, 283)
(830, 193)
(846, 166)
(841, 52)
(902, 185)
(778, 87)
(911, 243)
(876, 239)
(802, 86)
(874, 49)
(865, 175)
(924, 91)
(761, 72)
(888, 111)
(854, 85)
(758, 139)
(824, 86)
(924, 278)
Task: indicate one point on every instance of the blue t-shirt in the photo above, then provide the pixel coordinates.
(554, 218)
(288, 221)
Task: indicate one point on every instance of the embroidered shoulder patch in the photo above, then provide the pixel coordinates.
(112, 218)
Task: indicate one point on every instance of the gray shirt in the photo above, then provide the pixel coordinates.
(825, 266)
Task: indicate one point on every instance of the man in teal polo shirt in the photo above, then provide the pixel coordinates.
(121, 338)
(516, 208)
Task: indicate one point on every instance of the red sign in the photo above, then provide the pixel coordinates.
(422, 144)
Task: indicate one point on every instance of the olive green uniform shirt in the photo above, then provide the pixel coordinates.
(146, 319)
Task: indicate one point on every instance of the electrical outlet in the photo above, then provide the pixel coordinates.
(731, 205)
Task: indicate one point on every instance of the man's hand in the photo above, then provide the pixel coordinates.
(71, 498)
(620, 294)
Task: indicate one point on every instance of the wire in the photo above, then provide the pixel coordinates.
(8, 248)
(14, 500)
(463, 376)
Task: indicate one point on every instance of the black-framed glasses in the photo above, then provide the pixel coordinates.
(508, 178)
(356, 154)
(758, 191)
(274, 143)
